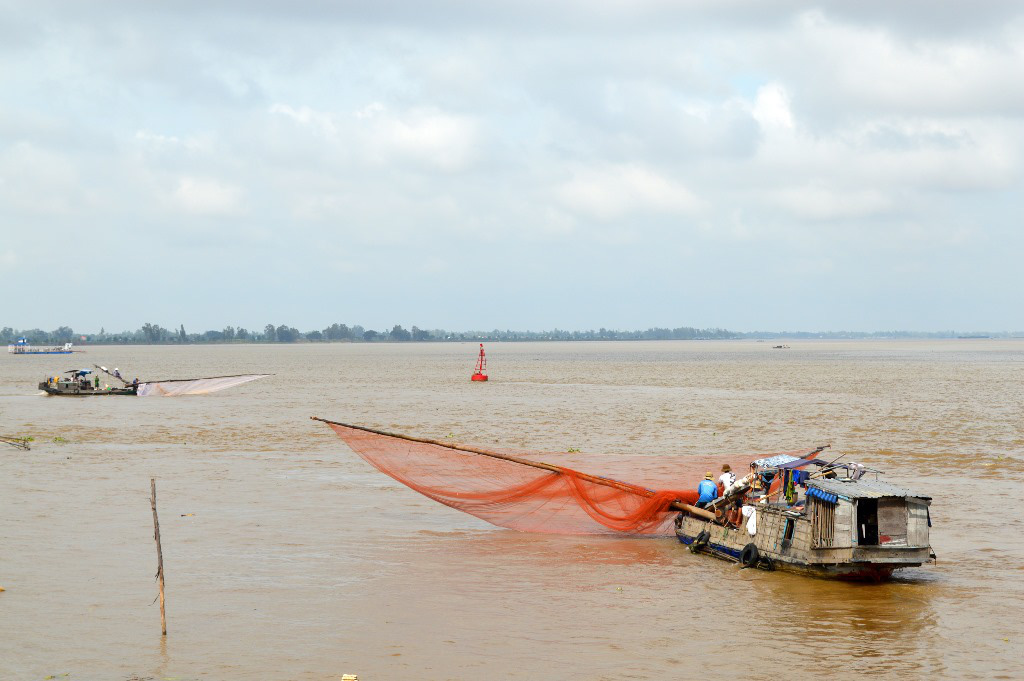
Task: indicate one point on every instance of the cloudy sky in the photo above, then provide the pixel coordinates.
(524, 164)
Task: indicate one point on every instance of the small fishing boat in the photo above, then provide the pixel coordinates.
(76, 383)
(805, 515)
(792, 512)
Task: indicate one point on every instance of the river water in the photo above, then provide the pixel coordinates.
(288, 557)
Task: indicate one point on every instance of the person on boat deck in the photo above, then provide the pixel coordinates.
(707, 489)
(727, 479)
(135, 383)
(97, 381)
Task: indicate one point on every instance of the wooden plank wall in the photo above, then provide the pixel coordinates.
(917, 522)
(844, 531)
(892, 521)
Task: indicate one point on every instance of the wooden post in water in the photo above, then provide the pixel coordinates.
(159, 556)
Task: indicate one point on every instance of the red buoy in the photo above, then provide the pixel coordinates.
(481, 366)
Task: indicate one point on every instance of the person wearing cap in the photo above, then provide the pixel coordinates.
(727, 479)
(707, 489)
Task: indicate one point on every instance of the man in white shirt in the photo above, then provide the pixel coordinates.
(727, 479)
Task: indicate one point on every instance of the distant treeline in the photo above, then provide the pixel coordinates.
(154, 334)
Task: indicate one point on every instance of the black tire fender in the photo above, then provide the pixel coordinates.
(750, 556)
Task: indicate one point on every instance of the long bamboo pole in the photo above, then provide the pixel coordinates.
(596, 479)
(159, 555)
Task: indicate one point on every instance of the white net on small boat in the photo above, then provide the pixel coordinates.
(194, 386)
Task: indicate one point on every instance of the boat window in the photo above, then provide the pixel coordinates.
(788, 532)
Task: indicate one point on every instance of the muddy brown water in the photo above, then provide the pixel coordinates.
(287, 557)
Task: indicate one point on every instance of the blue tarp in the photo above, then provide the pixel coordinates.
(824, 496)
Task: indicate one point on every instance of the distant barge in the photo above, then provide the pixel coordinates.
(23, 348)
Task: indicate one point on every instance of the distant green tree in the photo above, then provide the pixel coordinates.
(419, 334)
(399, 334)
(337, 332)
(269, 333)
(229, 333)
(287, 334)
(314, 335)
(182, 336)
(153, 333)
(370, 335)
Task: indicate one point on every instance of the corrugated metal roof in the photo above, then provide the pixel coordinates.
(862, 489)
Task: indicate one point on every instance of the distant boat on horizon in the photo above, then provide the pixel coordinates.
(22, 347)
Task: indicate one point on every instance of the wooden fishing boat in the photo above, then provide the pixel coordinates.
(828, 523)
(76, 383)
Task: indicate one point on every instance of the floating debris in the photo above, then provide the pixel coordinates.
(19, 442)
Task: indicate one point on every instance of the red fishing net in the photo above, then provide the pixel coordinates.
(509, 492)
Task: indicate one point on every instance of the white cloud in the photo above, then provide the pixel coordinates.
(204, 196)
(848, 70)
(771, 107)
(426, 136)
(370, 110)
(816, 202)
(614, 191)
(320, 122)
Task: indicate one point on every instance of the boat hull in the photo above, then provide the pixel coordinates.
(870, 564)
(42, 352)
(856, 572)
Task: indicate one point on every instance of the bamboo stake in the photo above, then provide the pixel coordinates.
(596, 479)
(159, 556)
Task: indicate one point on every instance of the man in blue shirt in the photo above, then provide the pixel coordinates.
(708, 491)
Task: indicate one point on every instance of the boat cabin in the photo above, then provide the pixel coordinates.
(846, 513)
